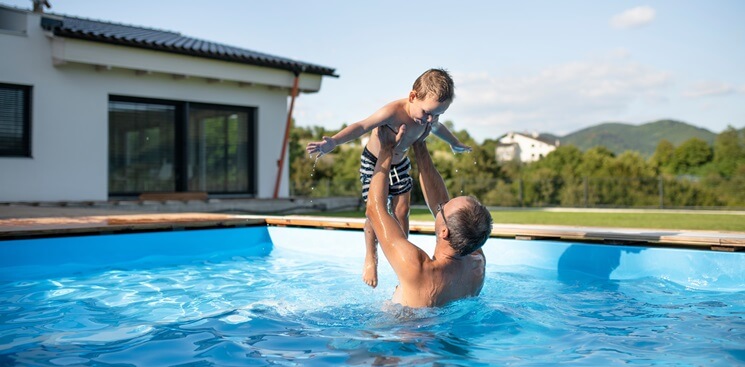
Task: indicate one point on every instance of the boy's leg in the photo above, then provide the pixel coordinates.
(370, 268)
(401, 205)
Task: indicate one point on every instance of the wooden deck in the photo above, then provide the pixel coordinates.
(64, 226)
(721, 241)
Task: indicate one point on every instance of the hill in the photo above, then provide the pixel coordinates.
(620, 137)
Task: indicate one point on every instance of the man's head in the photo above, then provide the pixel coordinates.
(469, 224)
(431, 95)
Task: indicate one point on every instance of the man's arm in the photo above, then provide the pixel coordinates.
(405, 258)
(433, 186)
(441, 131)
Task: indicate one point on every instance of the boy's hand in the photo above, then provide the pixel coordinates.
(389, 139)
(460, 148)
(321, 147)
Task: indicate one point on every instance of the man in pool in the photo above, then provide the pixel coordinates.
(462, 225)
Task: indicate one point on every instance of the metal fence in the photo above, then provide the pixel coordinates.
(588, 192)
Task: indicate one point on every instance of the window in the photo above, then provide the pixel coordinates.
(141, 147)
(15, 120)
(168, 146)
(218, 142)
(12, 21)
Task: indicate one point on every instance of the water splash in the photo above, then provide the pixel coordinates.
(313, 172)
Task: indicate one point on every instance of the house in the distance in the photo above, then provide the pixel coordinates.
(523, 148)
(94, 110)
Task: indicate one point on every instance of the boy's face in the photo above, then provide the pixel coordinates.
(426, 111)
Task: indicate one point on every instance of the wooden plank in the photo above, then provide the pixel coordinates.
(180, 196)
(34, 227)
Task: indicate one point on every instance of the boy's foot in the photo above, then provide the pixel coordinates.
(370, 271)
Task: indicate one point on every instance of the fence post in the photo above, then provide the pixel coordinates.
(584, 180)
(661, 190)
(520, 191)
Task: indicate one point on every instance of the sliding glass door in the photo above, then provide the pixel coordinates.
(219, 150)
(170, 146)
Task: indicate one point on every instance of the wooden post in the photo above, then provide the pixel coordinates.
(281, 161)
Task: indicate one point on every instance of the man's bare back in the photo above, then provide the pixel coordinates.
(444, 281)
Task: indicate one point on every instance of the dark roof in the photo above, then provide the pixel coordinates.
(160, 40)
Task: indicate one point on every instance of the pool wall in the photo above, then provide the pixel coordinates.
(698, 269)
(60, 256)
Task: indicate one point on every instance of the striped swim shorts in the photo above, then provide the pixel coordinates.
(399, 177)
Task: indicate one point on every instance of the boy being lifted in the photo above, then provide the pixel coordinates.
(430, 97)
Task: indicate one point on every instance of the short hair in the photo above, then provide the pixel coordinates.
(437, 83)
(469, 227)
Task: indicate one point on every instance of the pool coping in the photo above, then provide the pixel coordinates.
(19, 228)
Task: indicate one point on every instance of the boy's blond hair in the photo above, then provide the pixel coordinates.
(436, 83)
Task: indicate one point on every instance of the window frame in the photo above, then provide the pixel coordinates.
(181, 148)
(26, 149)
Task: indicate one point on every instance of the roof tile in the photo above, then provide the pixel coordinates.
(167, 41)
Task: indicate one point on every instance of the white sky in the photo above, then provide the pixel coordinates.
(528, 65)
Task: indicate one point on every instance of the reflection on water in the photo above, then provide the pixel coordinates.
(579, 261)
(296, 309)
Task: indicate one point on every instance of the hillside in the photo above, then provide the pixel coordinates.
(619, 137)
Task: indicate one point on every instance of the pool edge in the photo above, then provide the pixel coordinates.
(108, 224)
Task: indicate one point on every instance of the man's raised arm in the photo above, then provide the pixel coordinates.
(405, 258)
(433, 186)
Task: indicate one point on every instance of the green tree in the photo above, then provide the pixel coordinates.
(690, 156)
(662, 159)
(729, 152)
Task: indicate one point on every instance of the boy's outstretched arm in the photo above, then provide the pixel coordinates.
(349, 133)
(442, 132)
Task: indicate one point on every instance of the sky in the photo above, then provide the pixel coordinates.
(525, 66)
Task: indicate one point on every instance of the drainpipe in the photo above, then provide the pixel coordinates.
(281, 161)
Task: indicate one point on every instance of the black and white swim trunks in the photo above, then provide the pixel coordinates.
(399, 177)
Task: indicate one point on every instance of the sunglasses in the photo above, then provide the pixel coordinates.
(439, 210)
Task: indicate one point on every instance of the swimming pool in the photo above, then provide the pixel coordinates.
(294, 296)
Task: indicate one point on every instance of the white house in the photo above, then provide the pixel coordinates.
(525, 148)
(92, 110)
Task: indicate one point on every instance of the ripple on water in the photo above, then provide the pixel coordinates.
(301, 309)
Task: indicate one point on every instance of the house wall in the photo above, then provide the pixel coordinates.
(69, 118)
(530, 149)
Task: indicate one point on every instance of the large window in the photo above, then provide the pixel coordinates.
(141, 147)
(218, 149)
(15, 120)
(166, 146)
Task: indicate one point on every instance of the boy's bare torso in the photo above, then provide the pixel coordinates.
(399, 117)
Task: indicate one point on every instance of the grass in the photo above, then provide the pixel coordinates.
(652, 220)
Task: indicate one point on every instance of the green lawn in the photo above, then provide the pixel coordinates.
(656, 220)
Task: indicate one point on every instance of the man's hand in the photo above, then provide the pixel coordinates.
(321, 147)
(388, 140)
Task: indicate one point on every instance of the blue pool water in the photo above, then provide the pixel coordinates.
(258, 296)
